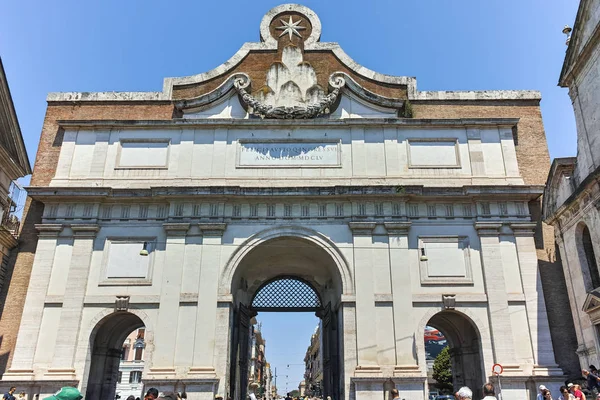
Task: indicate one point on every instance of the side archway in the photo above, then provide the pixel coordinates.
(464, 340)
(105, 348)
(587, 257)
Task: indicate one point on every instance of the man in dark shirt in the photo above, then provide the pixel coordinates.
(9, 394)
(593, 381)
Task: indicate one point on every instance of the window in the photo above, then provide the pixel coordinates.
(120, 377)
(588, 260)
(139, 353)
(135, 376)
(124, 353)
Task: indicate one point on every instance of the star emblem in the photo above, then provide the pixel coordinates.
(290, 27)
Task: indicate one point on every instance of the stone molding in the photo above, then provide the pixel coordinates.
(49, 230)
(523, 228)
(362, 228)
(212, 229)
(85, 231)
(397, 228)
(488, 228)
(176, 228)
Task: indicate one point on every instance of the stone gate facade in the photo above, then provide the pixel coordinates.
(400, 208)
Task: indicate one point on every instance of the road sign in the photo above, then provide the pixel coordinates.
(497, 369)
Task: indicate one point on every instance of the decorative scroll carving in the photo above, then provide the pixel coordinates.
(292, 91)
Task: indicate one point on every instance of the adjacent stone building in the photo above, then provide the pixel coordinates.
(290, 178)
(313, 365)
(14, 164)
(131, 366)
(572, 196)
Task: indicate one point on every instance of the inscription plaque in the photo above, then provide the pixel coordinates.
(281, 154)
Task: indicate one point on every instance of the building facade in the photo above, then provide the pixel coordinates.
(289, 178)
(257, 373)
(313, 365)
(131, 366)
(14, 164)
(572, 196)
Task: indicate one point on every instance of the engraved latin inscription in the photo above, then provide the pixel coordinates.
(289, 154)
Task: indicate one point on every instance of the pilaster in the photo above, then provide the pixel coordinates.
(537, 317)
(206, 321)
(493, 271)
(165, 337)
(72, 307)
(406, 362)
(366, 339)
(33, 310)
(475, 151)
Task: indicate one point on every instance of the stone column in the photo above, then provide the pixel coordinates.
(493, 272)
(33, 310)
(165, 336)
(539, 328)
(365, 298)
(206, 339)
(406, 361)
(72, 307)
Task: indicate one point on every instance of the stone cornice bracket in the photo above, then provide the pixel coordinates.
(85, 231)
(49, 230)
(176, 228)
(523, 228)
(212, 229)
(362, 228)
(397, 228)
(449, 301)
(308, 111)
(488, 228)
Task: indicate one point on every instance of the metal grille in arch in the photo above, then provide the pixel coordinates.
(286, 294)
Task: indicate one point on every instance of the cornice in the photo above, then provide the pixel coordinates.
(47, 193)
(268, 123)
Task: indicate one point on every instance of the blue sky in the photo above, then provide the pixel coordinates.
(110, 45)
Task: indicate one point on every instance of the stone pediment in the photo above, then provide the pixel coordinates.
(290, 74)
(592, 301)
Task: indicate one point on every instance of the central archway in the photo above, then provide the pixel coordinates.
(289, 273)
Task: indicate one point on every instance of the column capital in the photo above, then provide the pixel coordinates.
(85, 230)
(212, 229)
(362, 228)
(49, 230)
(397, 228)
(488, 228)
(176, 228)
(523, 228)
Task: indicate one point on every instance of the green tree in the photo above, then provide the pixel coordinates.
(295, 393)
(442, 371)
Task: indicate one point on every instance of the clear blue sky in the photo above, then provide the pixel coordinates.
(110, 45)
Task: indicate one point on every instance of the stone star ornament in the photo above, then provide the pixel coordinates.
(290, 27)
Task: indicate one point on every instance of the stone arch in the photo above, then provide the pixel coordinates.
(469, 340)
(290, 231)
(108, 331)
(587, 256)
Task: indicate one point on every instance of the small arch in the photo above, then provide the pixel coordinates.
(587, 257)
(465, 342)
(105, 347)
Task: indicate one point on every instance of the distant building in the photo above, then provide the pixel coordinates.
(572, 194)
(131, 366)
(258, 363)
(302, 388)
(313, 361)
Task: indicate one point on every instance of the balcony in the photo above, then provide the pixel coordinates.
(10, 211)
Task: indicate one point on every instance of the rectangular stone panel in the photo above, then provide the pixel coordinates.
(124, 260)
(444, 260)
(434, 153)
(143, 154)
(288, 153)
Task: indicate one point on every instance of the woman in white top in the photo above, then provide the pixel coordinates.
(564, 394)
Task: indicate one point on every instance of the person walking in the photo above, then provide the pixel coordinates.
(395, 394)
(489, 392)
(576, 391)
(151, 394)
(546, 395)
(540, 395)
(464, 393)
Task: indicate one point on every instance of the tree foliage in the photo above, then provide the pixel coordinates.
(442, 371)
